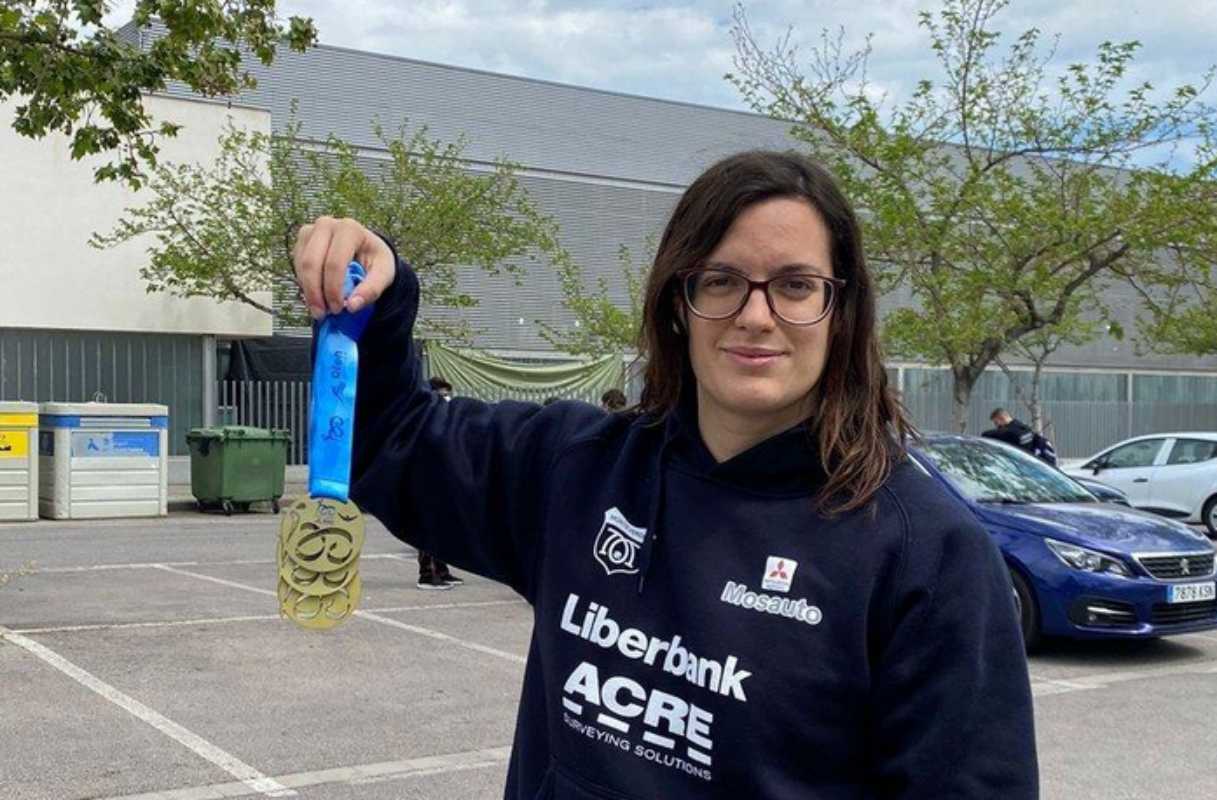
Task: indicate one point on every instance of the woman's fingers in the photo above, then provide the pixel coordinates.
(381, 268)
(320, 257)
(348, 235)
(312, 248)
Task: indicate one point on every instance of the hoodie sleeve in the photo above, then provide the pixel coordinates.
(952, 698)
(461, 479)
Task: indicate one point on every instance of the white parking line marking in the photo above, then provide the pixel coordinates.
(472, 604)
(1045, 686)
(1044, 689)
(179, 521)
(374, 617)
(366, 773)
(118, 626)
(443, 637)
(160, 564)
(254, 781)
(101, 568)
(173, 623)
(1040, 688)
(213, 579)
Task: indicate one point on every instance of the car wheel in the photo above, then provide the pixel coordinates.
(1209, 516)
(1028, 611)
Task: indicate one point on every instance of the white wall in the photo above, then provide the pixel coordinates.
(49, 207)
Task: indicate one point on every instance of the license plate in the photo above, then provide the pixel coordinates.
(1191, 592)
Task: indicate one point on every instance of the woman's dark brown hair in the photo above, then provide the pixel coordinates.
(859, 425)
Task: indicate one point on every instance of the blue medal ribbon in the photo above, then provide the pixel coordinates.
(332, 405)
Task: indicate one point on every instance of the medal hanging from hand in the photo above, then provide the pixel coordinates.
(320, 537)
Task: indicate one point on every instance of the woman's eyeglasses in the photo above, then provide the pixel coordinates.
(795, 298)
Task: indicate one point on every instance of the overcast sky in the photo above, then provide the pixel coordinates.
(680, 50)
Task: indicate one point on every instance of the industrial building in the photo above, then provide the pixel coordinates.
(608, 167)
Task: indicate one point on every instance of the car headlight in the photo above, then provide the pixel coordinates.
(1087, 560)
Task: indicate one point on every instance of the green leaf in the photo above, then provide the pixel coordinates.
(1003, 213)
(226, 230)
(79, 79)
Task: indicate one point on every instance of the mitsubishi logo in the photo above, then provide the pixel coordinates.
(1184, 568)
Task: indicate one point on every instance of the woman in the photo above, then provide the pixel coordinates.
(743, 590)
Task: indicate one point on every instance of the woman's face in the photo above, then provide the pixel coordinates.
(755, 370)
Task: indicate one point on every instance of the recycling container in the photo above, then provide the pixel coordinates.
(18, 461)
(103, 460)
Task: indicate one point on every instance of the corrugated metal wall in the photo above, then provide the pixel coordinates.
(595, 221)
(73, 366)
(538, 124)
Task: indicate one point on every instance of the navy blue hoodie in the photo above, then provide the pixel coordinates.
(699, 629)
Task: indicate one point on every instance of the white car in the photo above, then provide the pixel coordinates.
(1173, 474)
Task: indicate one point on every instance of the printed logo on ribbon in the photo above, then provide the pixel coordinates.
(779, 572)
(617, 544)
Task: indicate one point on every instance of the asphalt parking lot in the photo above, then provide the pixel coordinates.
(146, 659)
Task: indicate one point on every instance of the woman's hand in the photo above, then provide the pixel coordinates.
(321, 255)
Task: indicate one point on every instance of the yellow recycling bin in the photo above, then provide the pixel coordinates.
(18, 461)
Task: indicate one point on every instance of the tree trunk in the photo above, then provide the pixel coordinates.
(1037, 411)
(961, 394)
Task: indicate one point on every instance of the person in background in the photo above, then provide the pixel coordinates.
(433, 573)
(613, 400)
(1015, 432)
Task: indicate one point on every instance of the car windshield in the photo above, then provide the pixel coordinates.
(988, 472)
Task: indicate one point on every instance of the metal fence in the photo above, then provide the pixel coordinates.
(285, 404)
(1077, 428)
(1088, 427)
(535, 396)
(269, 404)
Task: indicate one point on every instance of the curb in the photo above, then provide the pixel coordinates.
(180, 503)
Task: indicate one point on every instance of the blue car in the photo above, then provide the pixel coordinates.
(1079, 568)
(1103, 492)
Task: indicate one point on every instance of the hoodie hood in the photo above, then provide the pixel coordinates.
(787, 463)
(784, 465)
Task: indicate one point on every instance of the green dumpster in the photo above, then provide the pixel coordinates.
(234, 465)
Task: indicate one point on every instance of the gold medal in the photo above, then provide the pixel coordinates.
(321, 536)
(318, 555)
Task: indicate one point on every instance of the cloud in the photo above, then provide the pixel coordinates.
(669, 50)
(680, 50)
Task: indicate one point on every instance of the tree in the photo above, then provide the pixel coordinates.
(75, 75)
(601, 325)
(1179, 318)
(996, 195)
(1037, 347)
(225, 230)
